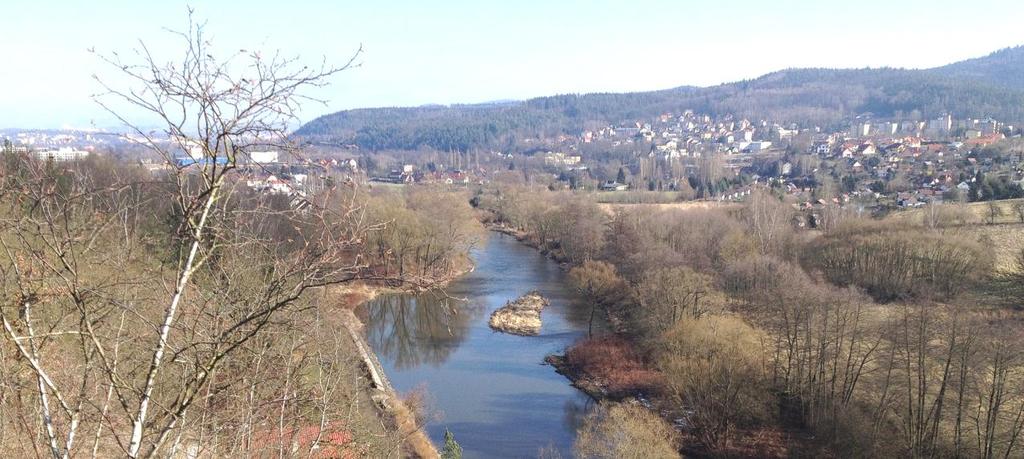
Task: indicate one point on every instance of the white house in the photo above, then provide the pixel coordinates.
(758, 146)
(61, 154)
(263, 157)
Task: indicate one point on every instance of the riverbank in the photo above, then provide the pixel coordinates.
(608, 368)
(525, 238)
(384, 396)
(578, 379)
(386, 399)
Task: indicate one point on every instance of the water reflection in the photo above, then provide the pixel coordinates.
(413, 330)
(574, 411)
(490, 389)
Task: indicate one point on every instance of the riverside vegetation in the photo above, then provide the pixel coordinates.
(180, 312)
(256, 361)
(175, 312)
(871, 338)
(749, 334)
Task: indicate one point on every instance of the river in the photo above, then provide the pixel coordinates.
(490, 389)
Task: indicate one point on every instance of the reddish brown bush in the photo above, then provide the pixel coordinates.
(614, 364)
(333, 440)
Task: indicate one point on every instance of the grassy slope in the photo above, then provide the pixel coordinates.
(1006, 234)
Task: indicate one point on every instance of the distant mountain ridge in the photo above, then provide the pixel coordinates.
(1003, 68)
(990, 86)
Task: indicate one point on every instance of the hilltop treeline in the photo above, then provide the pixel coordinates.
(823, 97)
(465, 127)
(1001, 68)
(869, 339)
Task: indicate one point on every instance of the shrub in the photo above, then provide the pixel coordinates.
(598, 282)
(625, 431)
(615, 364)
(712, 367)
(760, 277)
(894, 263)
(666, 295)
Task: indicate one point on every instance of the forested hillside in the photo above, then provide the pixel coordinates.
(1004, 67)
(983, 87)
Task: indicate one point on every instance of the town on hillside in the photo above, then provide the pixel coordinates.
(871, 164)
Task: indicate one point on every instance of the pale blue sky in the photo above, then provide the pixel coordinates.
(419, 52)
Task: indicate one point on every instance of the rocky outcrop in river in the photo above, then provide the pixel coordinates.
(520, 317)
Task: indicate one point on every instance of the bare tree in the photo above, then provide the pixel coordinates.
(667, 295)
(128, 327)
(992, 212)
(769, 220)
(600, 285)
(937, 215)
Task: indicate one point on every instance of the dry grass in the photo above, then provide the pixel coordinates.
(684, 205)
(1006, 236)
(520, 317)
(352, 295)
(978, 209)
(637, 197)
(1006, 241)
(416, 441)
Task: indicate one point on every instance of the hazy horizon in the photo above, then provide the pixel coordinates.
(468, 52)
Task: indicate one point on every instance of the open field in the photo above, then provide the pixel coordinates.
(980, 210)
(1007, 240)
(1005, 234)
(1006, 213)
(683, 205)
(636, 197)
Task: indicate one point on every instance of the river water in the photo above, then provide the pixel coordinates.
(490, 389)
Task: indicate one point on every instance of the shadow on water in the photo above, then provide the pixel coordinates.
(490, 389)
